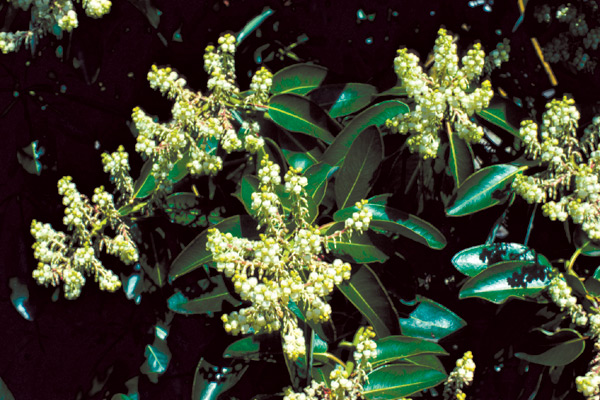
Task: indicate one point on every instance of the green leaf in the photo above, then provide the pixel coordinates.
(375, 115)
(475, 259)
(359, 248)
(343, 99)
(252, 25)
(5, 393)
(249, 185)
(392, 382)
(19, 297)
(396, 221)
(398, 91)
(501, 113)
(485, 188)
(209, 302)
(426, 360)
(558, 348)
(211, 381)
(317, 177)
(293, 145)
(298, 78)
(589, 247)
(503, 280)
(182, 209)
(146, 183)
(355, 176)
(254, 348)
(366, 292)
(460, 159)
(394, 348)
(195, 254)
(430, 320)
(157, 355)
(298, 114)
(29, 157)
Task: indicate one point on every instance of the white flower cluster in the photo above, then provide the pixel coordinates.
(589, 384)
(498, 56)
(201, 125)
(568, 186)
(45, 15)
(343, 385)
(462, 375)
(443, 95)
(260, 85)
(561, 295)
(68, 258)
(285, 265)
(360, 220)
(117, 166)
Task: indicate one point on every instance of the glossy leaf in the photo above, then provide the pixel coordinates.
(392, 382)
(475, 259)
(485, 188)
(146, 183)
(211, 381)
(157, 355)
(560, 348)
(375, 115)
(249, 185)
(254, 347)
(252, 25)
(354, 179)
(503, 280)
(460, 159)
(430, 320)
(394, 348)
(396, 221)
(298, 114)
(182, 209)
(366, 292)
(343, 99)
(498, 114)
(398, 91)
(358, 248)
(209, 302)
(426, 360)
(317, 177)
(195, 254)
(298, 78)
(19, 297)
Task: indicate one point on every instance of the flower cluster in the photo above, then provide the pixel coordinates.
(344, 383)
(461, 376)
(117, 165)
(569, 183)
(45, 16)
(284, 266)
(69, 258)
(443, 95)
(260, 86)
(360, 220)
(576, 34)
(201, 124)
(498, 56)
(589, 384)
(561, 295)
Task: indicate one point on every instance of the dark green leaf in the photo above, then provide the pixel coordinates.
(460, 159)
(558, 348)
(211, 381)
(182, 209)
(353, 180)
(249, 185)
(5, 393)
(426, 360)
(485, 188)
(157, 355)
(503, 280)
(359, 248)
(475, 259)
(392, 382)
(375, 115)
(298, 78)
(317, 177)
(298, 114)
(430, 320)
(366, 292)
(145, 184)
(252, 25)
(343, 99)
(395, 348)
(254, 347)
(209, 302)
(195, 254)
(589, 247)
(396, 221)
(398, 91)
(501, 113)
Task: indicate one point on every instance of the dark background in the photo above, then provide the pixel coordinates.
(78, 105)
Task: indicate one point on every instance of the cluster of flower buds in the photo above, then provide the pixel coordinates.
(445, 95)
(46, 16)
(461, 376)
(117, 166)
(286, 265)
(69, 258)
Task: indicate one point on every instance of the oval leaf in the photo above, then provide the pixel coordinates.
(298, 114)
(366, 292)
(298, 78)
(353, 180)
(252, 25)
(394, 348)
(500, 281)
(394, 381)
(563, 347)
(485, 188)
(430, 320)
(497, 114)
(343, 99)
(375, 115)
(474, 260)
(460, 159)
